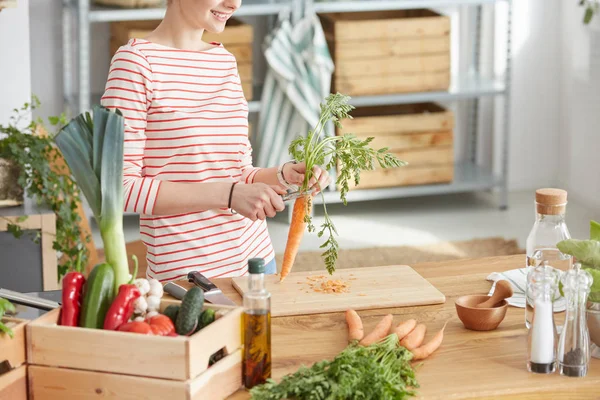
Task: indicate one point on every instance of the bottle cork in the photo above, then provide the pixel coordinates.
(551, 201)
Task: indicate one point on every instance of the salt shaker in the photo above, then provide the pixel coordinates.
(542, 337)
(574, 345)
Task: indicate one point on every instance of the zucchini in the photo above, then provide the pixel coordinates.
(98, 294)
(171, 312)
(206, 318)
(189, 312)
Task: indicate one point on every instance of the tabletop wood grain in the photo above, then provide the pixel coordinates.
(468, 365)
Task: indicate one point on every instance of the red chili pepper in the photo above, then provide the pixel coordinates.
(122, 307)
(72, 288)
(161, 325)
(136, 327)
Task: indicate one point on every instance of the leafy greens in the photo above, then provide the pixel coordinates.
(5, 306)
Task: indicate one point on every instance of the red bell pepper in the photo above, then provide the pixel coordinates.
(122, 308)
(136, 327)
(161, 325)
(72, 289)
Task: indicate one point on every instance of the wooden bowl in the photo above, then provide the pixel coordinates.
(480, 319)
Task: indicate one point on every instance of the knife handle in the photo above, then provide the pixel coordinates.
(175, 290)
(200, 280)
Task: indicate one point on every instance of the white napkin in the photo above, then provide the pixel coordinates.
(518, 281)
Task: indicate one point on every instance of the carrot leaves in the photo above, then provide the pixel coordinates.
(351, 156)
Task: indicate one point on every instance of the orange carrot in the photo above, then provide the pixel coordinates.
(355, 326)
(428, 348)
(415, 338)
(302, 207)
(404, 328)
(379, 332)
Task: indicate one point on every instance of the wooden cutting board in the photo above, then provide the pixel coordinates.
(372, 287)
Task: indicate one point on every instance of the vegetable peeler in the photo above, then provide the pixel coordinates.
(295, 194)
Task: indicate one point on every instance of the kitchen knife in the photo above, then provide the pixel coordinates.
(27, 300)
(175, 290)
(212, 293)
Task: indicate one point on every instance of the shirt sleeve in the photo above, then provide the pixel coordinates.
(248, 170)
(129, 88)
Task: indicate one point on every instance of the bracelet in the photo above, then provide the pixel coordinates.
(231, 194)
(280, 176)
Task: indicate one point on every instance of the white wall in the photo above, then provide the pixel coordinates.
(579, 158)
(15, 81)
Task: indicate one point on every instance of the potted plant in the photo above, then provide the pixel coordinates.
(587, 253)
(33, 157)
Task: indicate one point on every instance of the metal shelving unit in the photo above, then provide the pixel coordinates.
(469, 176)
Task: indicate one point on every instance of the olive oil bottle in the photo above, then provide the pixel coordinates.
(257, 327)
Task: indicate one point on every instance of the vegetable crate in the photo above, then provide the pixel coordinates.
(387, 52)
(421, 134)
(237, 39)
(78, 363)
(13, 384)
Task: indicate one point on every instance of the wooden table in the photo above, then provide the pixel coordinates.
(469, 365)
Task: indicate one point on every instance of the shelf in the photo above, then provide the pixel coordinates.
(330, 6)
(467, 178)
(248, 8)
(467, 89)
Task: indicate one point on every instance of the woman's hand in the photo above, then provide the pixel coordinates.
(294, 174)
(257, 200)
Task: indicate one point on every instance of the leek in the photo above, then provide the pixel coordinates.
(93, 150)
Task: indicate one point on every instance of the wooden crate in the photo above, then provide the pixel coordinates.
(421, 134)
(13, 384)
(13, 350)
(237, 38)
(74, 363)
(387, 52)
(131, 3)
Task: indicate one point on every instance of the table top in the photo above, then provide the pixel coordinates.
(468, 365)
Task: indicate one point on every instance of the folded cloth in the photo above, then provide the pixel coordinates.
(518, 281)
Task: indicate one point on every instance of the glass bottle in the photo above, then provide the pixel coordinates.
(574, 344)
(549, 228)
(542, 338)
(257, 327)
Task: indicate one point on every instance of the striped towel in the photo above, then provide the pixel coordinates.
(518, 280)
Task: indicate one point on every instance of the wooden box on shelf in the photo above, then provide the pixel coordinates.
(237, 39)
(13, 384)
(386, 52)
(421, 134)
(75, 363)
(131, 3)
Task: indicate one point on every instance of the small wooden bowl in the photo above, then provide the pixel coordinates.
(480, 319)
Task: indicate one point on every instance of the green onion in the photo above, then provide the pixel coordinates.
(93, 150)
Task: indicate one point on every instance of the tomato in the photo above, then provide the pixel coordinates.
(161, 325)
(136, 327)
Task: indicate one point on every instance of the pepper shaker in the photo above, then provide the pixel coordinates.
(574, 343)
(542, 338)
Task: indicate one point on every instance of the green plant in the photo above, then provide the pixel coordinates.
(587, 252)
(591, 8)
(5, 306)
(35, 156)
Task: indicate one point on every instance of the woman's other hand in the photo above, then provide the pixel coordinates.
(294, 174)
(257, 200)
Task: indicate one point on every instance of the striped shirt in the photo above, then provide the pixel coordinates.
(186, 120)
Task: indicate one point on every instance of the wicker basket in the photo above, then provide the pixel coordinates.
(11, 193)
(131, 3)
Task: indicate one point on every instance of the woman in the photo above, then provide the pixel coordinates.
(188, 167)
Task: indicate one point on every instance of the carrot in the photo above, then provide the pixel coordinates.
(404, 328)
(415, 338)
(379, 332)
(355, 326)
(428, 348)
(302, 208)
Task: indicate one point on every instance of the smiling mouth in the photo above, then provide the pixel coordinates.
(221, 16)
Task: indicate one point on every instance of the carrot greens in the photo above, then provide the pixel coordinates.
(350, 154)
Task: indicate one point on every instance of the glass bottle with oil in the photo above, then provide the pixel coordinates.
(550, 227)
(257, 327)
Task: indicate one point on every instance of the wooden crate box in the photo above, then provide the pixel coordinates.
(386, 52)
(237, 38)
(13, 384)
(73, 363)
(421, 134)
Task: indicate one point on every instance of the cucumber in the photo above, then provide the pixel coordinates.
(171, 312)
(189, 312)
(98, 294)
(206, 318)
